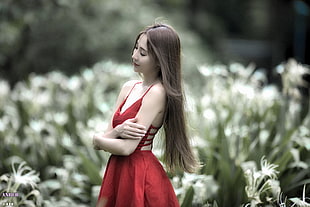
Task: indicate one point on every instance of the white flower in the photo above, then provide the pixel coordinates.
(74, 83)
(268, 169)
(209, 114)
(61, 118)
(204, 186)
(270, 93)
(4, 88)
(260, 181)
(292, 75)
(24, 175)
(88, 75)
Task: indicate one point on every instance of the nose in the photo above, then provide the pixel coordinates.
(134, 56)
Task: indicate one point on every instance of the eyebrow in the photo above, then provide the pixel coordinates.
(137, 43)
(143, 49)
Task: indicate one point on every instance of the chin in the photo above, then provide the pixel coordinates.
(136, 69)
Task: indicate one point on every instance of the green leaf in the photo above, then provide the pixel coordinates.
(188, 200)
(90, 169)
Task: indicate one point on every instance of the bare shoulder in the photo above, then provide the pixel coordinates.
(128, 85)
(158, 89)
(156, 93)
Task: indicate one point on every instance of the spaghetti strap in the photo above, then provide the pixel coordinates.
(147, 90)
(131, 90)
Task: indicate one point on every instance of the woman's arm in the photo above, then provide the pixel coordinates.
(129, 129)
(119, 146)
(150, 111)
(110, 132)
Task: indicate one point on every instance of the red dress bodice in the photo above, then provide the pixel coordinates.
(119, 117)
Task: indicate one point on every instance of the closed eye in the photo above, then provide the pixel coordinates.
(143, 52)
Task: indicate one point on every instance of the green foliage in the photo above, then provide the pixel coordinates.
(188, 197)
(22, 183)
(69, 35)
(48, 121)
(237, 123)
(65, 35)
(239, 118)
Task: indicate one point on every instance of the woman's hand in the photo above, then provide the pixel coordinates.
(95, 142)
(129, 129)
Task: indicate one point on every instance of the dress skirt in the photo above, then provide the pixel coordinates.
(137, 180)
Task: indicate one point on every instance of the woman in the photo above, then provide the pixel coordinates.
(134, 176)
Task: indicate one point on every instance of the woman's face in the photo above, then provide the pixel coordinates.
(142, 61)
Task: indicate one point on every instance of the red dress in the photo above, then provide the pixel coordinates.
(137, 180)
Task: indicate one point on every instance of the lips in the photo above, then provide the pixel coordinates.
(135, 64)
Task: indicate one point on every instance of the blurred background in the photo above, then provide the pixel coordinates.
(40, 36)
(246, 72)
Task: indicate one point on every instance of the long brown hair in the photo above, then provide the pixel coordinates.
(164, 46)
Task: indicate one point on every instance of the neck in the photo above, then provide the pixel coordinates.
(149, 81)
